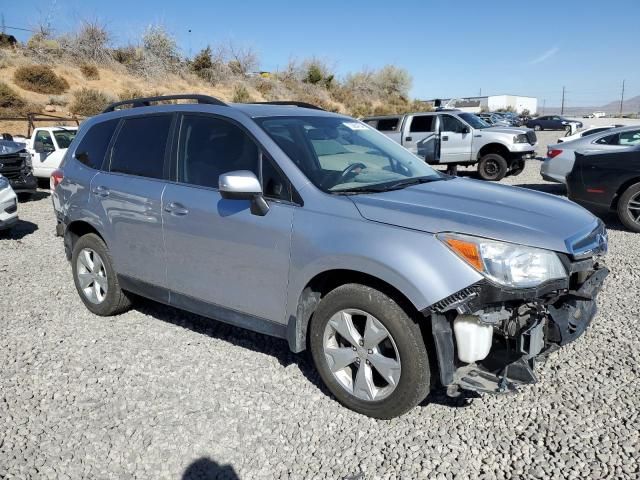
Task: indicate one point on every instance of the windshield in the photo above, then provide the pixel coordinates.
(344, 155)
(474, 120)
(64, 137)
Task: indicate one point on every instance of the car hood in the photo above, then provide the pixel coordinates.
(479, 208)
(506, 130)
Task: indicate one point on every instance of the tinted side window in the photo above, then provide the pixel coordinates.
(450, 124)
(631, 137)
(422, 123)
(388, 124)
(608, 140)
(209, 147)
(594, 131)
(140, 146)
(45, 138)
(94, 144)
(274, 183)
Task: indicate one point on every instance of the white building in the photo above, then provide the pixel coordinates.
(492, 103)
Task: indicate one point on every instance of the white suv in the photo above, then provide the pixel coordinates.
(8, 205)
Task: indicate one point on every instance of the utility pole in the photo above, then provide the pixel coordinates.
(562, 108)
(480, 94)
(544, 103)
(621, 98)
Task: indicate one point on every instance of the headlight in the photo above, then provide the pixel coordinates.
(521, 138)
(506, 263)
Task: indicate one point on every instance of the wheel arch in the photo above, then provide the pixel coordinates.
(494, 147)
(323, 283)
(621, 189)
(75, 230)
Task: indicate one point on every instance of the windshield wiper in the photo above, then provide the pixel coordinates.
(386, 187)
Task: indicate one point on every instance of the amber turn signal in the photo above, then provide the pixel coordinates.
(468, 251)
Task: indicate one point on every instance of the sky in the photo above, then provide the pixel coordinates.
(451, 48)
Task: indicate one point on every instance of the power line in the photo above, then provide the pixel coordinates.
(622, 98)
(19, 28)
(562, 108)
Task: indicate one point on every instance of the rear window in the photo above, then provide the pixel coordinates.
(94, 144)
(388, 124)
(140, 146)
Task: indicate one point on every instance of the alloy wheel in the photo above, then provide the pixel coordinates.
(633, 207)
(361, 354)
(92, 275)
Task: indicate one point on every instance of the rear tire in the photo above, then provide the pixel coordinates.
(492, 167)
(95, 279)
(629, 208)
(401, 352)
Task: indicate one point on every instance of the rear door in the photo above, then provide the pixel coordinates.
(455, 142)
(421, 136)
(220, 256)
(129, 197)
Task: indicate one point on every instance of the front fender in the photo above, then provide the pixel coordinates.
(415, 263)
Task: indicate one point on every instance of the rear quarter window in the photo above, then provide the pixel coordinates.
(93, 146)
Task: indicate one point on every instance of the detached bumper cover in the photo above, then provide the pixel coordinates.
(532, 323)
(24, 183)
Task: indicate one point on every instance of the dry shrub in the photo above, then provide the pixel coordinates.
(91, 42)
(11, 103)
(87, 102)
(129, 93)
(127, 55)
(241, 94)
(40, 79)
(60, 101)
(90, 72)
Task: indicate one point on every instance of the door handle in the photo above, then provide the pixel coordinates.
(175, 208)
(445, 138)
(408, 139)
(101, 191)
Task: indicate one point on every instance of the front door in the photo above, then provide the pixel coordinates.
(220, 256)
(455, 140)
(129, 196)
(46, 157)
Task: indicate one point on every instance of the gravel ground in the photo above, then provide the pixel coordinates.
(158, 393)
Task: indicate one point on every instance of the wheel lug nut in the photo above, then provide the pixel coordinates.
(354, 348)
(361, 342)
(369, 351)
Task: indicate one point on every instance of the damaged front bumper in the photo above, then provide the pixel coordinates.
(524, 325)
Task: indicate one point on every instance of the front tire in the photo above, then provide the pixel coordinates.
(370, 354)
(537, 128)
(629, 208)
(95, 278)
(492, 167)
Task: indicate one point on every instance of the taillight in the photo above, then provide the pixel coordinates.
(55, 179)
(553, 152)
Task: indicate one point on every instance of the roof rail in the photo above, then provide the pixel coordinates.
(146, 101)
(291, 103)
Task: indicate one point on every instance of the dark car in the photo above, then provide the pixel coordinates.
(15, 165)
(608, 181)
(552, 122)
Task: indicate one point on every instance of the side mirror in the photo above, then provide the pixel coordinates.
(465, 129)
(40, 147)
(243, 185)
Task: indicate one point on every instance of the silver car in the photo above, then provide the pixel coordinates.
(560, 157)
(315, 228)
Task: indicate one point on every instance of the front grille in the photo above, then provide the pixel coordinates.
(531, 135)
(11, 166)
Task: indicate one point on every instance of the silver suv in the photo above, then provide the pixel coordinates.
(313, 227)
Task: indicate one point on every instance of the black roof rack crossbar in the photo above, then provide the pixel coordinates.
(290, 103)
(146, 101)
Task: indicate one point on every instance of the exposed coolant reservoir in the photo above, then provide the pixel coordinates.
(473, 338)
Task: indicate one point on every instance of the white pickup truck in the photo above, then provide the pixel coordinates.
(47, 147)
(452, 137)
